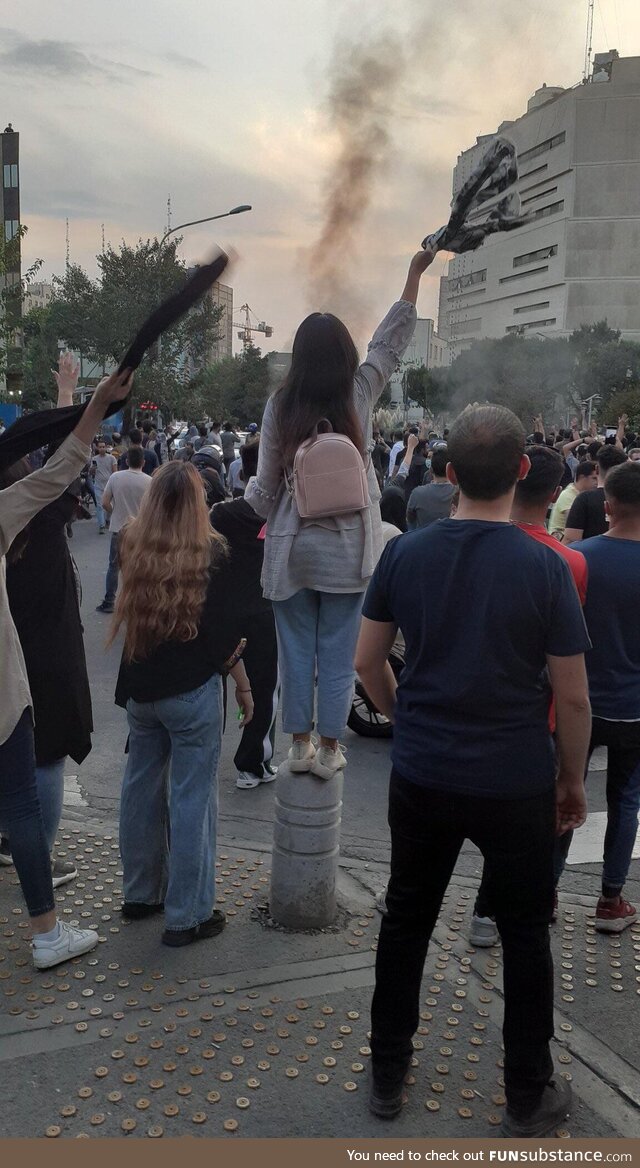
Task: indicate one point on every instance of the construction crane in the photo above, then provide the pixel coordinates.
(246, 327)
(587, 48)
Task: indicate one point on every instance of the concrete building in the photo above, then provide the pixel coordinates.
(37, 295)
(10, 225)
(577, 262)
(222, 296)
(426, 348)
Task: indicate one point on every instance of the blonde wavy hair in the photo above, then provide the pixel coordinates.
(166, 555)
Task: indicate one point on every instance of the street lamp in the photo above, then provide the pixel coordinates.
(209, 219)
(156, 347)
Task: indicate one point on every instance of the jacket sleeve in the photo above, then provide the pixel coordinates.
(386, 349)
(263, 487)
(24, 499)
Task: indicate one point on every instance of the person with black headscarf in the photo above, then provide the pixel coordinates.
(20, 815)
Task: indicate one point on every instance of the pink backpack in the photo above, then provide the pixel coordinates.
(329, 476)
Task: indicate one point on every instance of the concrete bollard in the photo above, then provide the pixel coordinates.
(306, 850)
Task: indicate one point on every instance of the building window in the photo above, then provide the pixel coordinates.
(11, 227)
(10, 174)
(536, 170)
(551, 209)
(521, 275)
(530, 307)
(540, 195)
(548, 144)
(468, 297)
(531, 324)
(467, 326)
(458, 283)
(530, 257)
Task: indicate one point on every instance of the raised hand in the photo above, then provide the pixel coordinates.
(66, 377)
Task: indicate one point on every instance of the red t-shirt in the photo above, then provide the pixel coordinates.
(579, 571)
(575, 560)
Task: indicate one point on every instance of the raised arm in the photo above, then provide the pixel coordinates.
(261, 490)
(418, 266)
(66, 378)
(392, 335)
(22, 500)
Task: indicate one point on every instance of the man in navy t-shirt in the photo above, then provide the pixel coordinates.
(612, 613)
(491, 619)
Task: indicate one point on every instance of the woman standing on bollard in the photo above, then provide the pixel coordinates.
(177, 602)
(317, 570)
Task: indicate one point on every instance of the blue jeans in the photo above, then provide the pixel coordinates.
(622, 740)
(317, 635)
(100, 515)
(171, 781)
(50, 784)
(111, 585)
(21, 817)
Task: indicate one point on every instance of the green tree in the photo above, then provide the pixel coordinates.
(98, 319)
(238, 387)
(428, 388)
(14, 285)
(529, 376)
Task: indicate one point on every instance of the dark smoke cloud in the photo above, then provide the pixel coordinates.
(365, 79)
(408, 97)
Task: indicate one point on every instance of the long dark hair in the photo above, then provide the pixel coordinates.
(319, 384)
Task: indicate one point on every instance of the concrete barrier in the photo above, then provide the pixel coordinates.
(306, 849)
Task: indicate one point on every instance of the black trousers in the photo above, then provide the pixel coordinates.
(261, 663)
(516, 837)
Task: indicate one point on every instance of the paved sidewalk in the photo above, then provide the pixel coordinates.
(261, 1032)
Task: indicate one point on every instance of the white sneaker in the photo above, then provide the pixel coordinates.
(300, 757)
(328, 761)
(69, 943)
(246, 779)
(484, 932)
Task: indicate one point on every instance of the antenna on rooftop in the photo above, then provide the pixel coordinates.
(67, 241)
(587, 47)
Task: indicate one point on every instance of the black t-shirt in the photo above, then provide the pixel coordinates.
(150, 461)
(480, 605)
(241, 527)
(587, 513)
(177, 667)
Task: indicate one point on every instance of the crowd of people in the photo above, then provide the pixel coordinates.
(508, 563)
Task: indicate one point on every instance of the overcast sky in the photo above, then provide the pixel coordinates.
(119, 105)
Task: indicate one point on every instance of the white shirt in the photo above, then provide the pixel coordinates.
(395, 450)
(126, 489)
(235, 470)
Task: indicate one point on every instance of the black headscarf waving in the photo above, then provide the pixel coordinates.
(50, 427)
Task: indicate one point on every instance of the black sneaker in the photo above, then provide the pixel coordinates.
(554, 1106)
(210, 928)
(62, 872)
(135, 911)
(387, 1097)
(104, 607)
(5, 852)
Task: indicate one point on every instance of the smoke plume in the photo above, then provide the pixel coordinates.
(364, 82)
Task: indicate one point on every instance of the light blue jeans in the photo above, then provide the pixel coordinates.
(317, 635)
(50, 785)
(50, 789)
(169, 803)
